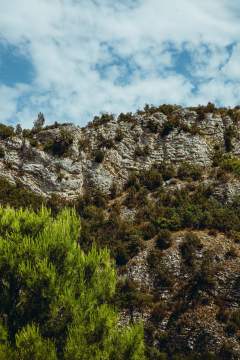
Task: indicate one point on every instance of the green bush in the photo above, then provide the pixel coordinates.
(228, 137)
(231, 165)
(128, 117)
(119, 135)
(17, 195)
(153, 126)
(168, 171)
(189, 247)
(2, 153)
(6, 131)
(54, 299)
(139, 152)
(101, 120)
(60, 145)
(164, 239)
(189, 171)
(167, 109)
(129, 296)
(106, 143)
(168, 127)
(158, 312)
(233, 323)
(151, 179)
(99, 156)
(163, 277)
(148, 231)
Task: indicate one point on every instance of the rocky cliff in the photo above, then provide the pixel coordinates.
(160, 188)
(129, 143)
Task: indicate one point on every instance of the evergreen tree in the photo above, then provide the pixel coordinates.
(54, 299)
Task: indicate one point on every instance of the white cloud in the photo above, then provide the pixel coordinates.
(66, 39)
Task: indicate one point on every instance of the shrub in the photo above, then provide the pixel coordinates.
(27, 133)
(217, 156)
(133, 181)
(189, 171)
(126, 117)
(233, 322)
(18, 196)
(167, 171)
(227, 352)
(190, 245)
(129, 296)
(152, 179)
(55, 300)
(167, 109)
(99, 156)
(152, 126)
(105, 143)
(149, 231)
(158, 312)
(101, 120)
(139, 152)
(2, 153)
(6, 131)
(39, 122)
(162, 275)
(228, 136)
(60, 145)
(168, 127)
(119, 135)
(231, 164)
(164, 239)
(155, 354)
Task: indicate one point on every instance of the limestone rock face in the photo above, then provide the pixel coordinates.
(133, 144)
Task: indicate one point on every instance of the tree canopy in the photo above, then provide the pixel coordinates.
(54, 298)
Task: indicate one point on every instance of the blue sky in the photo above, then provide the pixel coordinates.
(72, 59)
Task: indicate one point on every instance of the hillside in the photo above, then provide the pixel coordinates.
(161, 189)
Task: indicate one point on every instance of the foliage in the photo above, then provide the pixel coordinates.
(129, 296)
(162, 274)
(151, 179)
(139, 152)
(228, 136)
(233, 322)
(168, 171)
(203, 110)
(126, 117)
(153, 126)
(105, 142)
(119, 135)
(2, 152)
(189, 171)
(164, 239)
(17, 195)
(101, 120)
(60, 145)
(168, 127)
(39, 122)
(99, 156)
(54, 299)
(231, 164)
(6, 131)
(189, 247)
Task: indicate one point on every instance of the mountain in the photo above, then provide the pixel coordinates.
(161, 189)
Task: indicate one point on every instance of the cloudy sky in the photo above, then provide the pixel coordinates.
(72, 59)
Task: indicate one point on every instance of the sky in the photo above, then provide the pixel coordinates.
(73, 59)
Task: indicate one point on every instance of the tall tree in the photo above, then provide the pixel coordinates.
(54, 298)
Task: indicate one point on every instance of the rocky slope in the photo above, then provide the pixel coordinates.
(161, 189)
(131, 143)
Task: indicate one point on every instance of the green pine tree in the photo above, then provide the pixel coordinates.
(54, 298)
